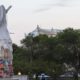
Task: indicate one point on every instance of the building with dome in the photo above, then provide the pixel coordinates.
(48, 32)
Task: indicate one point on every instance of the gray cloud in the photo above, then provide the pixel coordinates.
(59, 3)
(43, 9)
(49, 6)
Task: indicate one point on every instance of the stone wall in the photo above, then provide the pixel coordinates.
(16, 77)
(21, 77)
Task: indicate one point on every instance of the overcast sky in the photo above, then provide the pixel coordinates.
(26, 14)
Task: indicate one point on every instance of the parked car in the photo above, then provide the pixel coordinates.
(43, 75)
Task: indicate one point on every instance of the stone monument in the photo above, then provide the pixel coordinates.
(6, 57)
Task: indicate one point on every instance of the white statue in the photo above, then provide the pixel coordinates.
(3, 24)
(5, 40)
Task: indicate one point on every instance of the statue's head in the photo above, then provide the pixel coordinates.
(2, 6)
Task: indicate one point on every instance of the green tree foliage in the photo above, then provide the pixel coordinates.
(70, 39)
(48, 54)
(19, 59)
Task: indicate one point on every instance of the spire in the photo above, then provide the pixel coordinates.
(38, 29)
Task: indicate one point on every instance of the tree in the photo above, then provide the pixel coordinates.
(19, 59)
(70, 40)
(48, 54)
(42, 49)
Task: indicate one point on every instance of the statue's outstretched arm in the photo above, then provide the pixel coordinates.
(8, 9)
